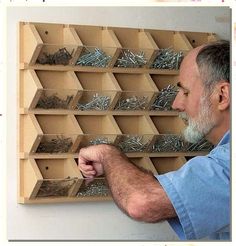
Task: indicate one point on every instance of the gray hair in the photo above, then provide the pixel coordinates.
(213, 62)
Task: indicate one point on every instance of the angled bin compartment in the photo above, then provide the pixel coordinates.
(42, 178)
(97, 128)
(54, 44)
(137, 133)
(169, 139)
(101, 47)
(49, 89)
(137, 45)
(42, 130)
(198, 38)
(100, 91)
(138, 91)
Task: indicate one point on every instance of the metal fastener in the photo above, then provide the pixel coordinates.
(132, 103)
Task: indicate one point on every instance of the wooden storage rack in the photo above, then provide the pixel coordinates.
(41, 171)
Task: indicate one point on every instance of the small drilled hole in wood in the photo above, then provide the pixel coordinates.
(46, 168)
(46, 32)
(193, 41)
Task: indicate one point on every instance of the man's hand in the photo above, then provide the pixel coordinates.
(91, 159)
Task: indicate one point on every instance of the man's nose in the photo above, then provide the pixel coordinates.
(178, 103)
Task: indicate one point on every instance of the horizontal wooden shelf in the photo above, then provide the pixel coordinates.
(98, 69)
(46, 200)
(92, 112)
(139, 154)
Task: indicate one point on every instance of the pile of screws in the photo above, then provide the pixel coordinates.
(132, 103)
(56, 145)
(98, 102)
(62, 57)
(165, 98)
(169, 143)
(95, 58)
(128, 59)
(133, 144)
(53, 101)
(56, 188)
(202, 145)
(168, 59)
(97, 141)
(96, 188)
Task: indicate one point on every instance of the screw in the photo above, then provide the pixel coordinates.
(167, 59)
(169, 143)
(132, 103)
(133, 144)
(97, 103)
(130, 59)
(96, 58)
(165, 98)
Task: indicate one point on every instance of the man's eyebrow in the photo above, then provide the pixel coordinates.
(182, 87)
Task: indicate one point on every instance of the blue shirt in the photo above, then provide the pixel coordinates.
(200, 194)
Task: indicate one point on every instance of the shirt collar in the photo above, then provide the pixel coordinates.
(225, 139)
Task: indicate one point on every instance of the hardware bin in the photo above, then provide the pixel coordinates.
(167, 39)
(198, 38)
(162, 81)
(37, 84)
(37, 127)
(100, 83)
(144, 162)
(136, 126)
(99, 37)
(137, 85)
(41, 176)
(95, 127)
(136, 40)
(168, 124)
(36, 38)
(167, 164)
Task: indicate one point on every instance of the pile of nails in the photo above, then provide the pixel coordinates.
(53, 101)
(61, 57)
(167, 59)
(98, 102)
(129, 59)
(165, 98)
(133, 144)
(132, 103)
(101, 140)
(95, 57)
(56, 145)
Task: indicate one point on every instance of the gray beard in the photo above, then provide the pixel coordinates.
(200, 127)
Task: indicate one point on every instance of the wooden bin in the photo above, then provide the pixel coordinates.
(99, 83)
(97, 126)
(167, 164)
(37, 38)
(99, 37)
(137, 86)
(36, 129)
(168, 124)
(140, 127)
(38, 85)
(145, 163)
(198, 38)
(173, 39)
(136, 40)
(43, 178)
(162, 81)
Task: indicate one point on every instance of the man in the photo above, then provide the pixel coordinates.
(196, 198)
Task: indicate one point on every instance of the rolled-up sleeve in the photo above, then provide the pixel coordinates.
(200, 194)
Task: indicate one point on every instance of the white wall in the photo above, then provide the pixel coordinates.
(100, 220)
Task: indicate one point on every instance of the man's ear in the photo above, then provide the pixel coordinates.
(223, 95)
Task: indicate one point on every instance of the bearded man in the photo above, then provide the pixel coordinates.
(196, 198)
